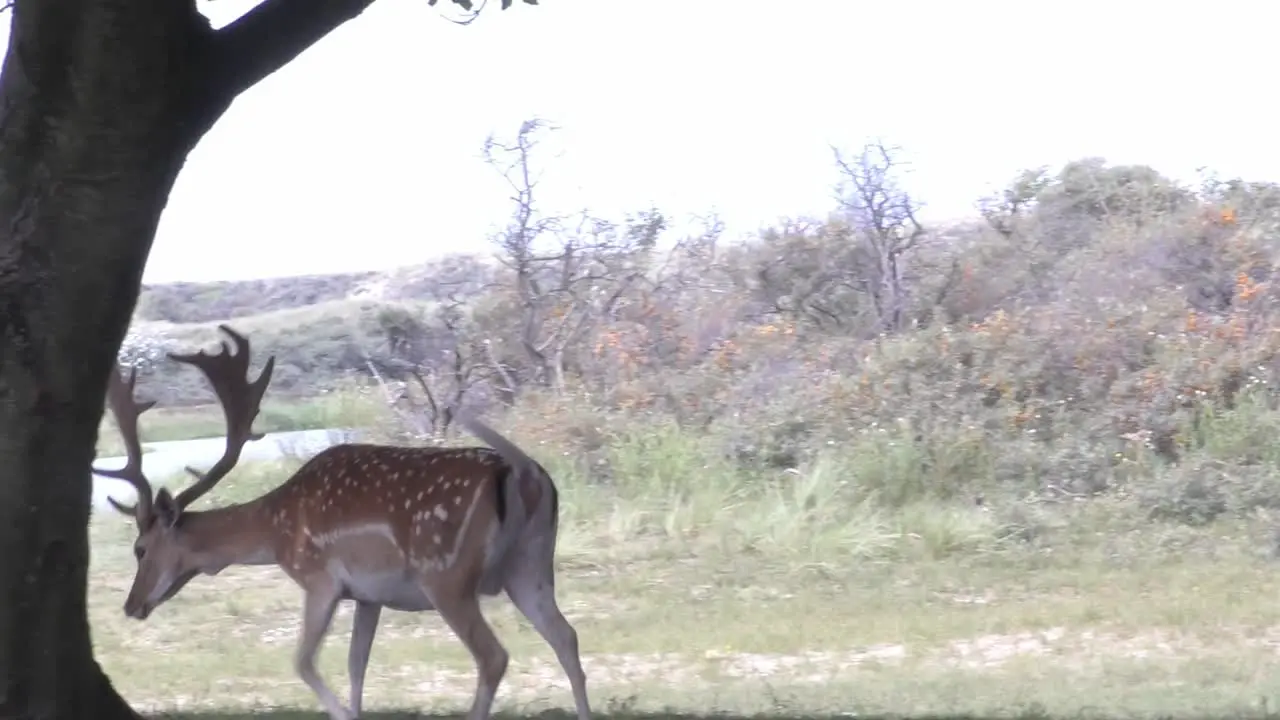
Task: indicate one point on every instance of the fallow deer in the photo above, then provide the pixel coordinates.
(412, 529)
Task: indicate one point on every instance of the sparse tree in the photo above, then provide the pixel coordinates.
(882, 217)
(1007, 211)
(567, 276)
(100, 103)
(849, 274)
(439, 350)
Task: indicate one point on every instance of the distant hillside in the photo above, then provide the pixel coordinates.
(188, 302)
(320, 327)
(314, 346)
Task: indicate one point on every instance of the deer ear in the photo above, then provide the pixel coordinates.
(166, 509)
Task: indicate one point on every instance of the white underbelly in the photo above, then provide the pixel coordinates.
(370, 567)
(397, 590)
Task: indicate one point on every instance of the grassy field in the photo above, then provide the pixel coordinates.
(697, 591)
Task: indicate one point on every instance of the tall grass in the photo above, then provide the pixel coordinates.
(661, 489)
(632, 484)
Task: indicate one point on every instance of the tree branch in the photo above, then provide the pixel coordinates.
(271, 35)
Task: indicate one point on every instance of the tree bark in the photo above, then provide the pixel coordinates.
(100, 103)
(91, 140)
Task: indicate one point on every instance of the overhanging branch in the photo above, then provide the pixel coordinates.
(271, 35)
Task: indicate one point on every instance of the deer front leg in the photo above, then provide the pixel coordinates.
(321, 600)
(363, 627)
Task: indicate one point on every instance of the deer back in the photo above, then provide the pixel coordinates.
(368, 509)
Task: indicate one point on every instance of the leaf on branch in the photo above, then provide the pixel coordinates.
(464, 4)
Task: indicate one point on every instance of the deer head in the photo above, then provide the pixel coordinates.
(168, 555)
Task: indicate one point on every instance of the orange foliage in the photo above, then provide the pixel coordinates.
(1246, 288)
(786, 328)
(725, 355)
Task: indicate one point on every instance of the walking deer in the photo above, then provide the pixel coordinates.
(412, 529)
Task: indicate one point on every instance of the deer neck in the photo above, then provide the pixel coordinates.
(232, 535)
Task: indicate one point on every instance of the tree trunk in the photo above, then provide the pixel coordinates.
(96, 118)
(100, 103)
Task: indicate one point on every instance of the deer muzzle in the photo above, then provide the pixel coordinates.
(137, 609)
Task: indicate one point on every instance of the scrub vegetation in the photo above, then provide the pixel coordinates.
(1020, 466)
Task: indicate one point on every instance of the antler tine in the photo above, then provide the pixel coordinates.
(227, 373)
(126, 411)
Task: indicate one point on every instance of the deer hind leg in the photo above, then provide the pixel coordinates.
(364, 626)
(531, 585)
(318, 607)
(461, 610)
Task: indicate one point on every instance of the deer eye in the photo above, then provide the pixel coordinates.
(139, 551)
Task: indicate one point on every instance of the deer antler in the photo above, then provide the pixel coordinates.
(126, 411)
(228, 375)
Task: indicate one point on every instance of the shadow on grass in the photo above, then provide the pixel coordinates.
(781, 714)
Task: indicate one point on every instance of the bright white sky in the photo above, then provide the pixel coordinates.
(364, 153)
